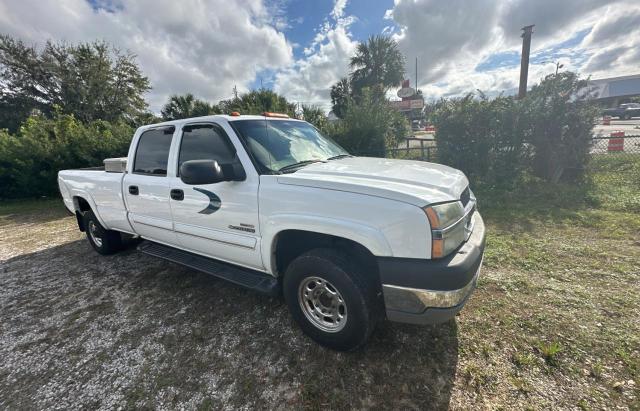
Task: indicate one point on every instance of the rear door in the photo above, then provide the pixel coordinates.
(146, 186)
(217, 220)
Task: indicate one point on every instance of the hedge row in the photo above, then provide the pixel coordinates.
(30, 159)
(496, 141)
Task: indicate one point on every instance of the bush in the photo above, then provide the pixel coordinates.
(498, 141)
(482, 137)
(31, 159)
(369, 126)
(561, 127)
(314, 115)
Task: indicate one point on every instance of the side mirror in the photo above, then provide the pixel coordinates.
(202, 172)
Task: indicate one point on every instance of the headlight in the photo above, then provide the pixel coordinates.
(447, 227)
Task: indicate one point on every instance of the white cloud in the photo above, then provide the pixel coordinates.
(451, 38)
(207, 47)
(614, 43)
(183, 46)
(326, 60)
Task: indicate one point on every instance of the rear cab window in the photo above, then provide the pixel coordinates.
(152, 152)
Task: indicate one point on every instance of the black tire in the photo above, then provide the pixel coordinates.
(361, 308)
(106, 241)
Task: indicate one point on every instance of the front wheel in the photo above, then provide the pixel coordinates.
(102, 240)
(330, 299)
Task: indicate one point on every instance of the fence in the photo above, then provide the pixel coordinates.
(426, 150)
(616, 144)
(415, 148)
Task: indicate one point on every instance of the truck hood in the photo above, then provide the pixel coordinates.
(415, 182)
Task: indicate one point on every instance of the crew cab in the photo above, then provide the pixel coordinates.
(269, 203)
(624, 111)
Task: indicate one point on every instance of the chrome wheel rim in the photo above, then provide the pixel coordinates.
(93, 232)
(322, 304)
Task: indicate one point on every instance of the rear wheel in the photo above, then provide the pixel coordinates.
(331, 300)
(102, 240)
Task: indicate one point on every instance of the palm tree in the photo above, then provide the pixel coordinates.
(377, 63)
(340, 96)
(259, 101)
(186, 106)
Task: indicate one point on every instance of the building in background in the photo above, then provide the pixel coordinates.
(611, 92)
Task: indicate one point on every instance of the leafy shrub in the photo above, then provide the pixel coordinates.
(498, 141)
(561, 127)
(369, 126)
(484, 138)
(31, 159)
(314, 115)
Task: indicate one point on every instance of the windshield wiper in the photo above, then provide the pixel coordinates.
(298, 165)
(339, 156)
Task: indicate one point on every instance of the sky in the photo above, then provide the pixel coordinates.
(299, 48)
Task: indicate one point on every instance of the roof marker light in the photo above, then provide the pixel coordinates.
(277, 115)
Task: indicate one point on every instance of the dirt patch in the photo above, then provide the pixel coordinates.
(558, 329)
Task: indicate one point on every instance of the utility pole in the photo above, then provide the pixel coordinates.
(524, 62)
(416, 74)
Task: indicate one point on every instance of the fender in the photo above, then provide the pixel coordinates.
(369, 237)
(74, 192)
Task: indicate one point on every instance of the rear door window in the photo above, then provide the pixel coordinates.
(152, 153)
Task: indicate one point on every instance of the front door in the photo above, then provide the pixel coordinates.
(216, 220)
(146, 185)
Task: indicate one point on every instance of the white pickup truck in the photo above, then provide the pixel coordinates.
(269, 203)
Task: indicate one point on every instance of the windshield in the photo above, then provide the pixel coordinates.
(277, 144)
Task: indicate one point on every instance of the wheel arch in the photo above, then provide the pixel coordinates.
(82, 203)
(291, 243)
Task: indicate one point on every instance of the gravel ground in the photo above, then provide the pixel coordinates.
(80, 330)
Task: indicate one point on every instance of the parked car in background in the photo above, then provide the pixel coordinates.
(624, 111)
(269, 203)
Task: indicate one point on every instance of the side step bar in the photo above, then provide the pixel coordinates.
(245, 277)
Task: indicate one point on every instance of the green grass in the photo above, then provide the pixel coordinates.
(552, 325)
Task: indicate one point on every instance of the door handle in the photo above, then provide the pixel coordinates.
(133, 190)
(177, 194)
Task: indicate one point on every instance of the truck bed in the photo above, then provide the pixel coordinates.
(102, 189)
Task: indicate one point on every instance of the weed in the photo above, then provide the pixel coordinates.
(597, 369)
(550, 352)
(524, 360)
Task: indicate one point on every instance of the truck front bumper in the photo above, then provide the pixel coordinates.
(422, 291)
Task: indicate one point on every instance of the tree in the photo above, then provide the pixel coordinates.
(257, 102)
(90, 80)
(378, 63)
(31, 159)
(370, 126)
(561, 127)
(314, 115)
(340, 96)
(186, 106)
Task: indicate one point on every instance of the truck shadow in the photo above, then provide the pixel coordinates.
(191, 325)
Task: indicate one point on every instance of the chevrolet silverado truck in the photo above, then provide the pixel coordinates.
(267, 202)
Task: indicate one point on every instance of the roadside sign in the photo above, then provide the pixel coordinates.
(405, 92)
(406, 105)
